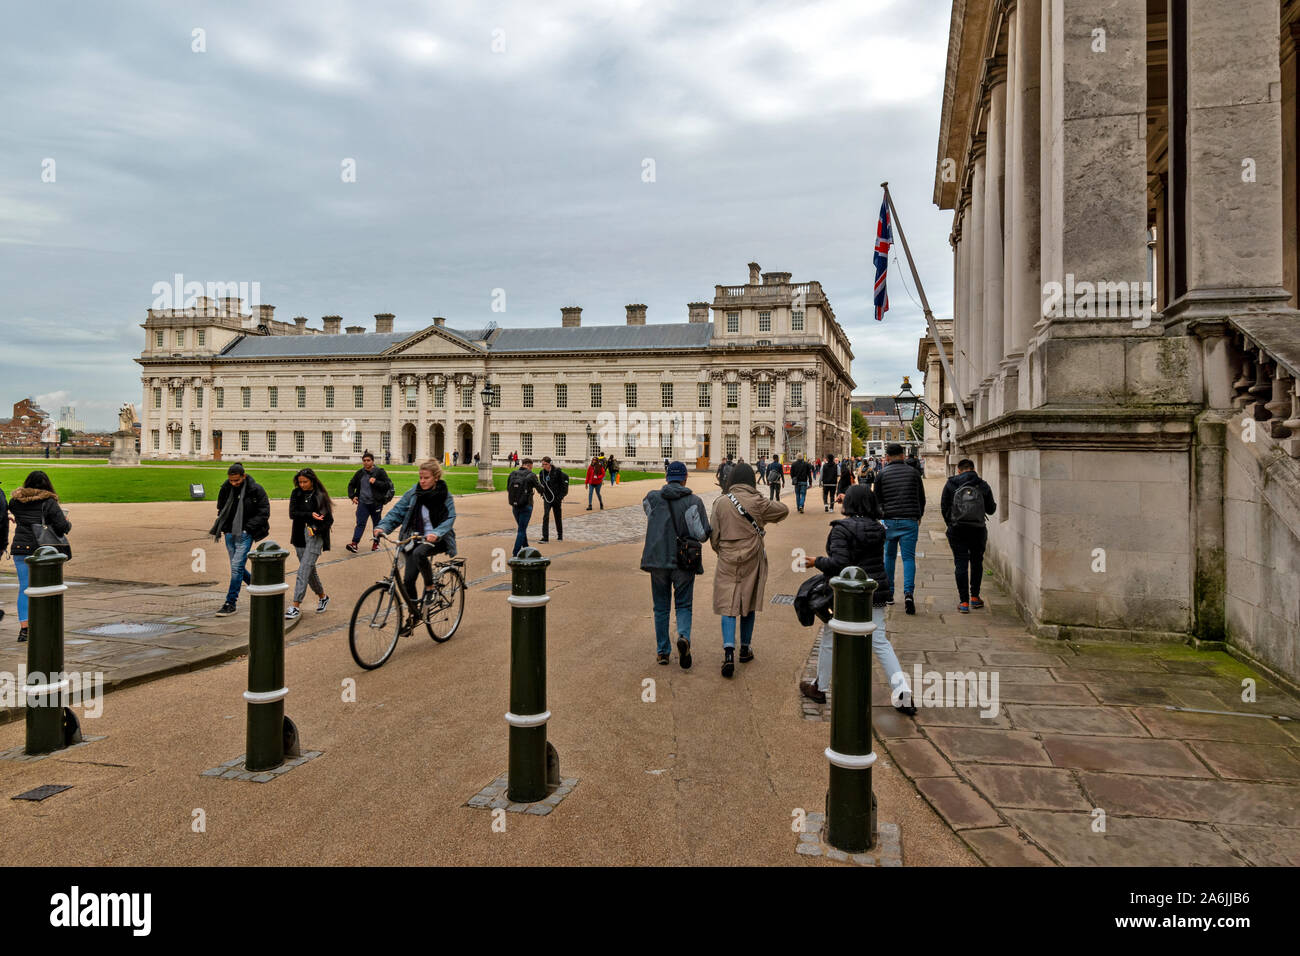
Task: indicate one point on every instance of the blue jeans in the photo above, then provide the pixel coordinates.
(800, 493)
(366, 513)
(664, 584)
(20, 564)
(879, 644)
(901, 531)
(238, 552)
(746, 630)
(596, 489)
(522, 516)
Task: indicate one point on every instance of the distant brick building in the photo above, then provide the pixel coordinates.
(25, 425)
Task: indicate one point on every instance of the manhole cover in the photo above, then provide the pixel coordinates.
(43, 791)
(131, 629)
(783, 599)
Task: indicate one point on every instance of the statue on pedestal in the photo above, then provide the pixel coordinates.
(124, 452)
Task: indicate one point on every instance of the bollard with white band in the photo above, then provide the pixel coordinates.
(266, 689)
(850, 803)
(50, 726)
(527, 776)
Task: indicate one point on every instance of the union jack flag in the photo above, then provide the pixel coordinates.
(884, 239)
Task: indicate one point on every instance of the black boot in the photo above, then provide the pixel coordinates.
(728, 661)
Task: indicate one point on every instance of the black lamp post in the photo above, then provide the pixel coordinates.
(485, 444)
(906, 403)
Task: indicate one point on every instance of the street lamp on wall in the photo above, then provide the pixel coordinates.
(484, 482)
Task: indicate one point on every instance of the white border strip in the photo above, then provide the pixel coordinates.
(39, 690)
(527, 720)
(265, 696)
(851, 761)
(528, 600)
(262, 589)
(851, 627)
(46, 591)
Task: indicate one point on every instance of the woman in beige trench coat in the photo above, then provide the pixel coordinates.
(742, 562)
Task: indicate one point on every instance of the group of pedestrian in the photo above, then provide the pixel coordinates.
(553, 486)
(38, 520)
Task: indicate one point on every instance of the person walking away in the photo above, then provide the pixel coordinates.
(738, 519)
(312, 512)
(775, 479)
(966, 503)
(845, 478)
(760, 471)
(858, 540)
(370, 489)
(830, 479)
(724, 473)
(243, 518)
(36, 513)
(901, 494)
(455, 457)
(4, 533)
(800, 477)
(611, 469)
(428, 509)
(520, 485)
(916, 463)
(554, 485)
(595, 475)
(676, 528)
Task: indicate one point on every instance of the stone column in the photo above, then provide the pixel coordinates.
(146, 416)
(958, 301)
(164, 439)
(743, 448)
(975, 271)
(206, 434)
(450, 397)
(993, 173)
(482, 444)
(1023, 186)
(394, 426)
(717, 447)
(778, 403)
(1010, 139)
(810, 425)
(422, 418)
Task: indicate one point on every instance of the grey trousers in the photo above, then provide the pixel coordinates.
(307, 569)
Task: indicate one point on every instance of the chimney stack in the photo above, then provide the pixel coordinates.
(202, 305)
(755, 276)
(356, 329)
(232, 305)
(439, 322)
(384, 321)
(332, 323)
(265, 313)
(636, 314)
(301, 322)
(698, 311)
(776, 278)
(571, 316)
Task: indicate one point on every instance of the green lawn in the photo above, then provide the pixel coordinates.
(96, 481)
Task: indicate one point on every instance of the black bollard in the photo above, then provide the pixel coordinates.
(45, 713)
(528, 715)
(266, 688)
(850, 804)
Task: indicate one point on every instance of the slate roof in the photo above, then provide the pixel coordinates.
(277, 346)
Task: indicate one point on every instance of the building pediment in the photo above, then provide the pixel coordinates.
(433, 341)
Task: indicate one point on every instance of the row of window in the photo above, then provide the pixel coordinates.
(765, 322)
(159, 340)
(411, 396)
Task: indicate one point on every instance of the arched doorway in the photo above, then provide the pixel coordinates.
(465, 438)
(408, 443)
(436, 441)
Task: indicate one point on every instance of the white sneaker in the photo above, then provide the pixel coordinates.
(292, 614)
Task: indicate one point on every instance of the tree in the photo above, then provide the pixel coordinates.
(918, 426)
(858, 425)
(856, 447)
(65, 435)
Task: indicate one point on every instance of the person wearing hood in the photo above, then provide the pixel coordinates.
(428, 509)
(858, 540)
(243, 517)
(830, 477)
(966, 502)
(676, 526)
(33, 505)
(738, 519)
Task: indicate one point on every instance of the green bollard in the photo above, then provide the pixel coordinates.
(45, 652)
(266, 690)
(850, 804)
(528, 714)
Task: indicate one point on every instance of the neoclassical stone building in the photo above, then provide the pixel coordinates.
(769, 373)
(1123, 178)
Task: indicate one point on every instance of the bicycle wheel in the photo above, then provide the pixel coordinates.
(376, 625)
(444, 604)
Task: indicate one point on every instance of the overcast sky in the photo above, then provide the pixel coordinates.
(770, 126)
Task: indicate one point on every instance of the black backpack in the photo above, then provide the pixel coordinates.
(968, 505)
(690, 553)
(517, 489)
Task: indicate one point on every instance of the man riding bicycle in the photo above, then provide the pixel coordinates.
(427, 509)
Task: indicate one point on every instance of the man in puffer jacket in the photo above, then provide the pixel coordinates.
(857, 540)
(901, 494)
(964, 513)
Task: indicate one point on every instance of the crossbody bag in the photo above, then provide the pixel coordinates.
(746, 515)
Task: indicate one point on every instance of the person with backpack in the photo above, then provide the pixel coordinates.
(846, 478)
(611, 469)
(858, 540)
(38, 520)
(775, 479)
(519, 492)
(738, 519)
(901, 494)
(555, 485)
(243, 519)
(966, 503)
(800, 477)
(427, 508)
(595, 475)
(312, 514)
(370, 489)
(724, 473)
(676, 528)
(830, 478)
(760, 470)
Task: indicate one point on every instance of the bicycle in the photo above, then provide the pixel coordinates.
(378, 619)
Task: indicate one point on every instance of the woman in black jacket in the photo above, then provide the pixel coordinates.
(33, 505)
(312, 513)
(858, 540)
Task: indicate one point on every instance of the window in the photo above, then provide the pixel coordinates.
(561, 445)
(732, 444)
(562, 396)
(764, 394)
(466, 396)
(629, 394)
(178, 397)
(327, 441)
(246, 397)
(796, 320)
(763, 445)
(796, 394)
(158, 340)
(157, 398)
(528, 396)
(496, 445)
(733, 321)
(329, 396)
(358, 396)
(299, 441)
(496, 396)
(356, 443)
(703, 396)
(526, 443)
(440, 396)
(412, 395)
(273, 396)
(180, 338)
(300, 394)
(243, 441)
(666, 394)
(385, 441)
(666, 444)
(595, 395)
(203, 338)
(593, 446)
(629, 446)
(219, 394)
(386, 396)
(154, 436)
(198, 397)
(176, 441)
(763, 342)
(196, 441)
(765, 321)
(270, 441)
(733, 394)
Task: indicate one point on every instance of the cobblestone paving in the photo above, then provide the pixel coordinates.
(888, 850)
(493, 797)
(235, 770)
(20, 753)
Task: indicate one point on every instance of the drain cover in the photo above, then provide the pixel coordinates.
(132, 629)
(43, 791)
(783, 599)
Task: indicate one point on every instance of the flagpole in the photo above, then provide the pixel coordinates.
(929, 316)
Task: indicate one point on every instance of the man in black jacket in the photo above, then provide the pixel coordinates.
(967, 501)
(672, 511)
(775, 479)
(520, 485)
(555, 485)
(800, 477)
(370, 489)
(901, 494)
(830, 478)
(243, 517)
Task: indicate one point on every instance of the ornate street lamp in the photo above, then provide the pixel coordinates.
(908, 404)
(485, 443)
